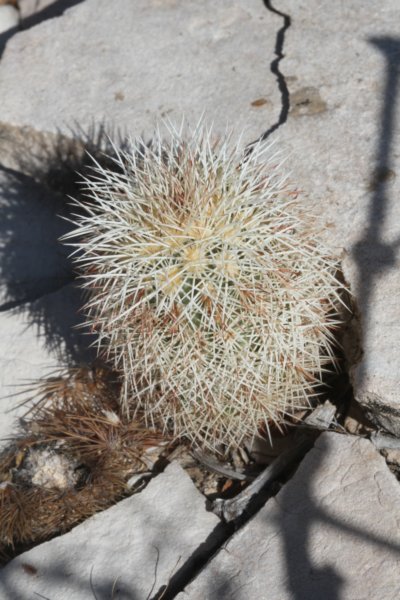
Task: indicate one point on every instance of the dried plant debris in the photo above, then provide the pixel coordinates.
(74, 456)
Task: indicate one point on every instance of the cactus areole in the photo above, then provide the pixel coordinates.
(208, 286)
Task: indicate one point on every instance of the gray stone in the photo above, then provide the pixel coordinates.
(341, 65)
(9, 17)
(134, 63)
(135, 546)
(332, 532)
(36, 340)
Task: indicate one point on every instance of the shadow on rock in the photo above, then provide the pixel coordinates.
(305, 579)
(372, 254)
(43, 171)
(49, 11)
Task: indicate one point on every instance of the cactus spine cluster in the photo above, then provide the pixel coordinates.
(207, 286)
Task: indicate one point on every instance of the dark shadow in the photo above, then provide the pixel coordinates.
(305, 581)
(54, 173)
(372, 255)
(194, 563)
(34, 207)
(5, 36)
(53, 10)
(33, 262)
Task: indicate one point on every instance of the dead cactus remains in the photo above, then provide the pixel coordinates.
(73, 458)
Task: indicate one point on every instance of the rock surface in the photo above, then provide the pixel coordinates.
(341, 68)
(132, 64)
(9, 17)
(135, 546)
(332, 532)
(36, 339)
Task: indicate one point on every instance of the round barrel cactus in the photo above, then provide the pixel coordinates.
(208, 286)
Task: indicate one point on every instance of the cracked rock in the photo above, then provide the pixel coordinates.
(128, 551)
(133, 65)
(341, 67)
(331, 532)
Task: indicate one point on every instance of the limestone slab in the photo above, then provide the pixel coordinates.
(332, 532)
(128, 551)
(133, 63)
(342, 70)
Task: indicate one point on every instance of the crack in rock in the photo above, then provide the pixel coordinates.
(49, 11)
(282, 85)
(274, 67)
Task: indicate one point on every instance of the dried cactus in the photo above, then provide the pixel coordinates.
(73, 457)
(208, 287)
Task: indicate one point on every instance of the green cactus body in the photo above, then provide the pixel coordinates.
(207, 287)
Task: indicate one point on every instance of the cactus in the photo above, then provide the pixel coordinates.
(208, 287)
